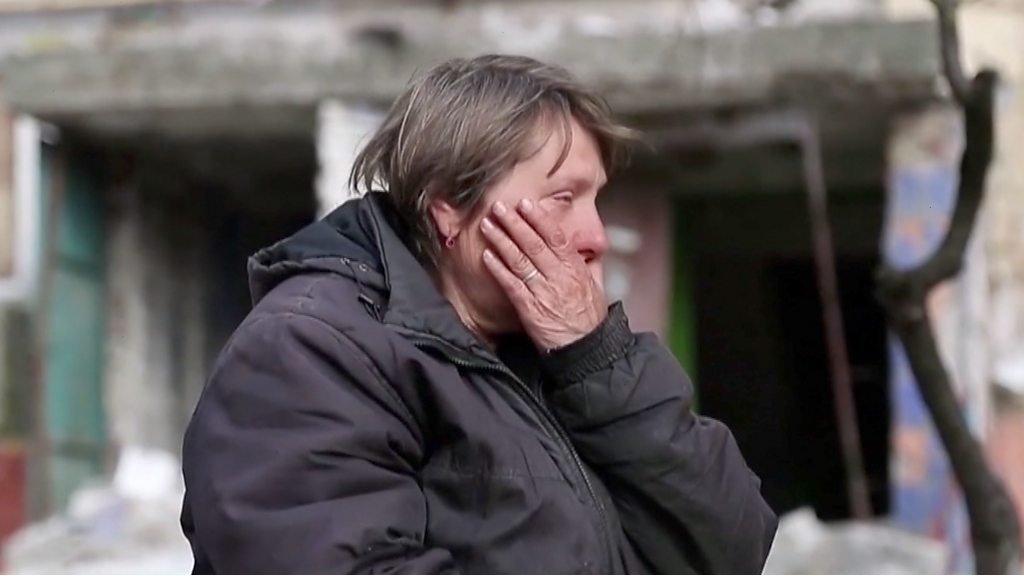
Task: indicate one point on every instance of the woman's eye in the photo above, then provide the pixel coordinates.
(565, 196)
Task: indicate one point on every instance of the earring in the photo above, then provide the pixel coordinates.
(449, 242)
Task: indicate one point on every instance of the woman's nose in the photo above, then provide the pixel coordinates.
(591, 241)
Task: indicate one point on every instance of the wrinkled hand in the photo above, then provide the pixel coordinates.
(548, 283)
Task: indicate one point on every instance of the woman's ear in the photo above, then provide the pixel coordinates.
(447, 220)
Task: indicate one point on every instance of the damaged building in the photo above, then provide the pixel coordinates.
(148, 148)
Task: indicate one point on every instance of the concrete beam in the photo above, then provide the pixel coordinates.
(301, 53)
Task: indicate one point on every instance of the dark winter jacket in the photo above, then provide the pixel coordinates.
(353, 424)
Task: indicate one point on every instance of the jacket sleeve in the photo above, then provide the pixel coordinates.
(300, 459)
(685, 496)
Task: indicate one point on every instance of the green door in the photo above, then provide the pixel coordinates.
(74, 312)
(683, 330)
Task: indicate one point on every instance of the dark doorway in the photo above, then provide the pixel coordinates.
(257, 193)
(762, 361)
(206, 205)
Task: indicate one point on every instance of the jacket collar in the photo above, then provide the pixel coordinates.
(362, 240)
(414, 302)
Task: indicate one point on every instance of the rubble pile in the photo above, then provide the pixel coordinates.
(127, 526)
(805, 545)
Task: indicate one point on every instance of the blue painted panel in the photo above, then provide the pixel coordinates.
(924, 494)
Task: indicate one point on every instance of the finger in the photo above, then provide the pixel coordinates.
(545, 226)
(527, 239)
(505, 248)
(518, 292)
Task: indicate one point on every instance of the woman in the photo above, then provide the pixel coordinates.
(431, 380)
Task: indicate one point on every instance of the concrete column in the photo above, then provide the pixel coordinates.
(341, 130)
(923, 158)
(188, 237)
(19, 267)
(129, 410)
(138, 390)
(156, 324)
(7, 222)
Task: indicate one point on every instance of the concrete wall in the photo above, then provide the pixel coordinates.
(992, 36)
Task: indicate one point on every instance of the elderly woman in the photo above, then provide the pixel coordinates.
(431, 379)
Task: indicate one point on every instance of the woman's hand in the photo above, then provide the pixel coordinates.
(549, 284)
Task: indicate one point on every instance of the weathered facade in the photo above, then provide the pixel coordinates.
(175, 138)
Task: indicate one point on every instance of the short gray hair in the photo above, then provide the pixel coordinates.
(462, 126)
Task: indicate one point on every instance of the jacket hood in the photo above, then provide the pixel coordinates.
(363, 239)
(331, 244)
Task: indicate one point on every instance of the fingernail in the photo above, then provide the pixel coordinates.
(499, 208)
(486, 224)
(488, 255)
(527, 204)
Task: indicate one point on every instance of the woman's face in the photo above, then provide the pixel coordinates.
(569, 196)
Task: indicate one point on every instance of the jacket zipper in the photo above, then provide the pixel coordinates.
(553, 428)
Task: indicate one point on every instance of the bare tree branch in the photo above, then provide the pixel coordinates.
(995, 530)
(978, 124)
(949, 47)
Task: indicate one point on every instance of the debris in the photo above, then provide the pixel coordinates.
(805, 545)
(127, 526)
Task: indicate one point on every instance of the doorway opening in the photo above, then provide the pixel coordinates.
(761, 357)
